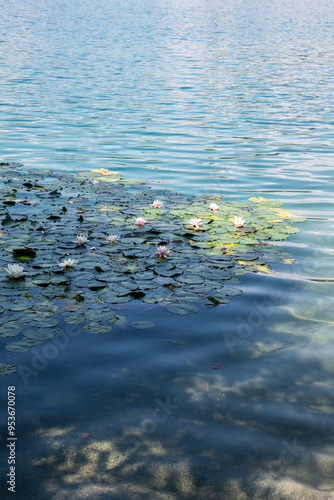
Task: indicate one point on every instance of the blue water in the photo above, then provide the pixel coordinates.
(231, 98)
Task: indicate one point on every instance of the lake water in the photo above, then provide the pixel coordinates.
(228, 98)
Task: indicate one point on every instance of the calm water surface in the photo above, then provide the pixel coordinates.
(224, 97)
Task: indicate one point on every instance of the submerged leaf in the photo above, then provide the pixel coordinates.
(40, 333)
(21, 345)
(181, 307)
(142, 325)
(96, 327)
(7, 369)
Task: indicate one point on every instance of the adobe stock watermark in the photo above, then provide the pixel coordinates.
(290, 453)
(316, 260)
(246, 327)
(149, 425)
(39, 357)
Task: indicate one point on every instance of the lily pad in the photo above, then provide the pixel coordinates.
(10, 330)
(7, 369)
(96, 327)
(41, 280)
(231, 291)
(142, 325)
(40, 334)
(181, 308)
(17, 305)
(74, 319)
(45, 322)
(21, 345)
(108, 296)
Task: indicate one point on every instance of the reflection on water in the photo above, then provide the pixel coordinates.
(227, 98)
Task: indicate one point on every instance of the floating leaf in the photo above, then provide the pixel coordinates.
(192, 280)
(41, 280)
(20, 345)
(142, 325)
(10, 330)
(40, 333)
(231, 291)
(74, 319)
(288, 229)
(96, 285)
(119, 307)
(67, 245)
(7, 369)
(17, 305)
(181, 308)
(108, 296)
(276, 235)
(96, 327)
(45, 322)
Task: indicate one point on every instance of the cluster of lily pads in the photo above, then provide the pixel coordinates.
(77, 248)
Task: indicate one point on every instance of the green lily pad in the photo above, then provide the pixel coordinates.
(41, 280)
(21, 345)
(40, 334)
(74, 319)
(142, 325)
(276, 235)
(152, 298)
(96, 327)
(181, 308)
(231, 291)
(108, 296)
(269, 204)
(187, 296)
(288, 229)
(45, 322)
(7, 369)
(61, 280)
(192, 280)
(96, 285)
(17, 305)
(10, 330)
(121, 300)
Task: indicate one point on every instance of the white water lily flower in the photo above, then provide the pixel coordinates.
(68, 263)
(140, 221)
(214, 207)
(81, 240)
(112, 238)
(238, 221)
(196, 222)
(157, 204)
(163, 251)
(15, 270)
